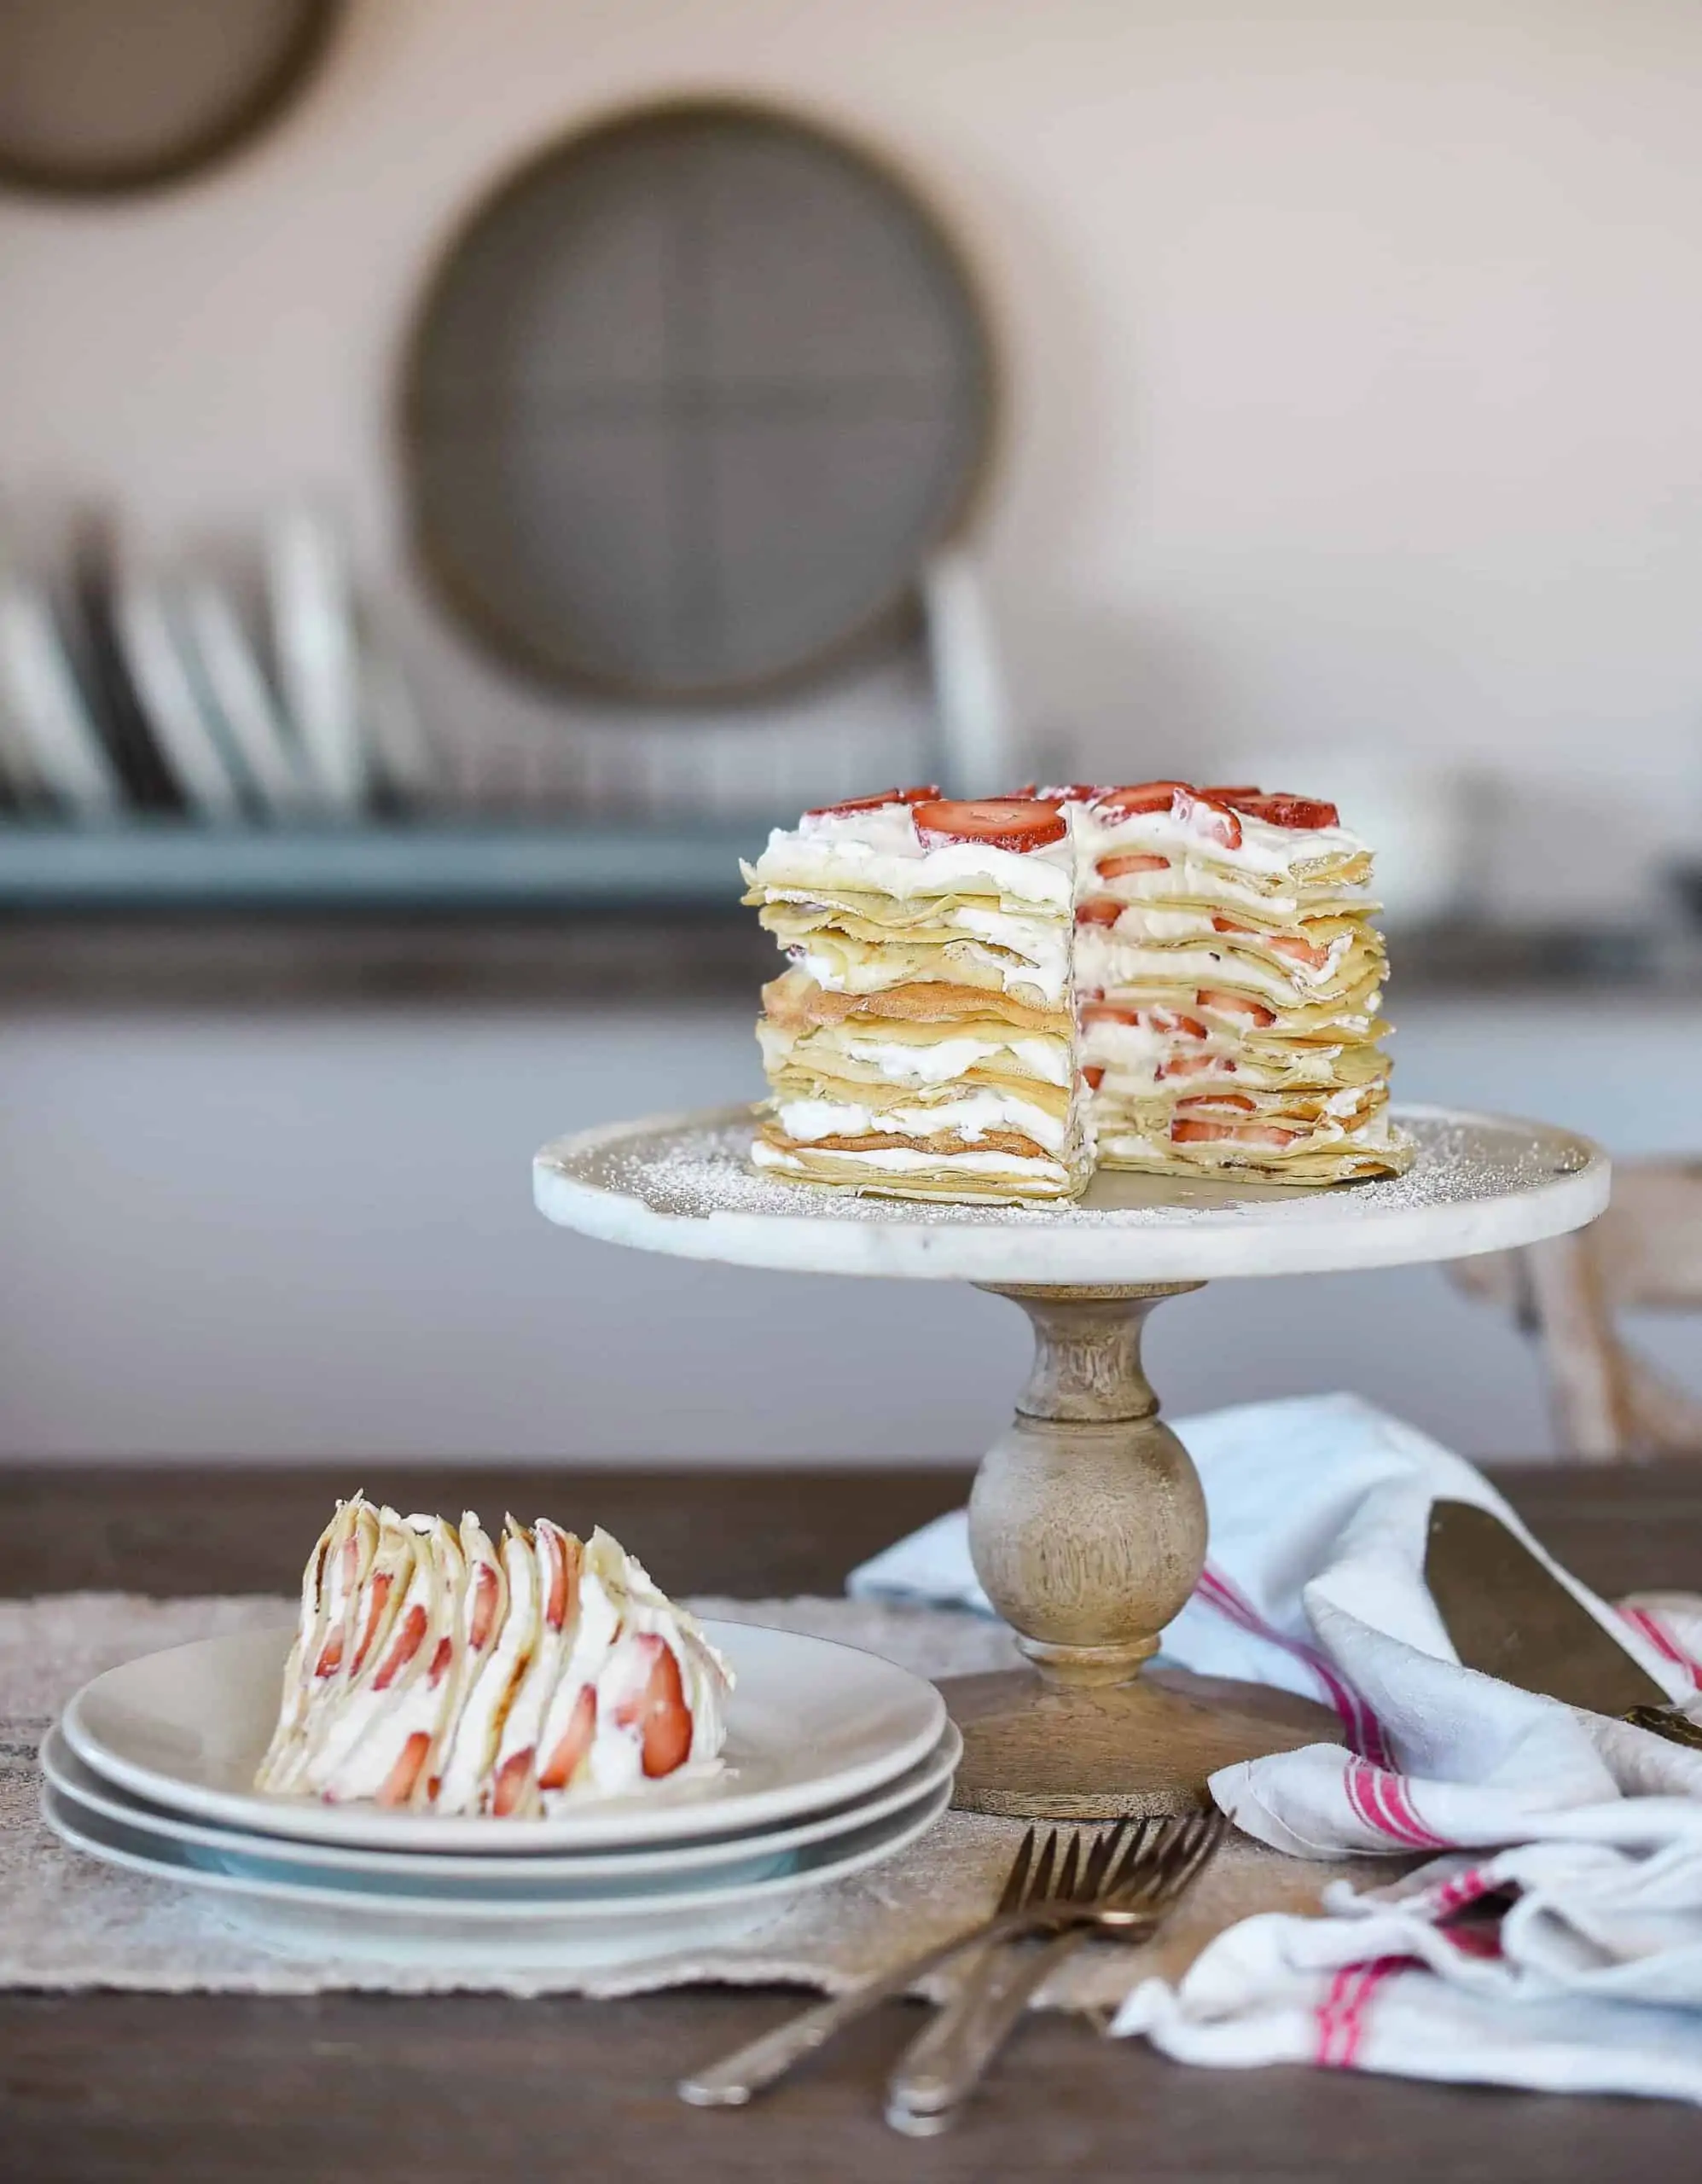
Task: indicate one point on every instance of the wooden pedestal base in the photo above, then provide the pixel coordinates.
(1087, 1527)
(1034, 1751)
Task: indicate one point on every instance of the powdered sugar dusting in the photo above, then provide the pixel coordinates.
(701, 1167)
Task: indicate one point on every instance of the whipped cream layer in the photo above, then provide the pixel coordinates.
(880, 852)
(968, 1116)
(901, 1162)
(939, 1061)
(1190, 848)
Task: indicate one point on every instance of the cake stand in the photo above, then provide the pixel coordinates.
(1087, 1523)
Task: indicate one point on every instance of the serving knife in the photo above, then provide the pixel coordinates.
(1509, 1616)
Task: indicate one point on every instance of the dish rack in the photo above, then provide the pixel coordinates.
(178, 740)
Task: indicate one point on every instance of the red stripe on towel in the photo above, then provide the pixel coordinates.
(1342, 2013)
(1644, 1620)
(1381, 1800)
(1365, 1734)
(1398, 1797)
(1378, 1975)
(1465, 1888)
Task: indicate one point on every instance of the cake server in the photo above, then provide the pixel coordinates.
(1510, 1618)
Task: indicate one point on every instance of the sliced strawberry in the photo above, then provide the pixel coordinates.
(1228, 795)
(1137, 796)
(409, 1639)
(1098, 909)
(381, 1592)
(440, 1661)
(658, 1708)
(1260, 1133)
(853, 804)
(1284, 810)
(1236, 1004)
(1016, 822)
(1093, 1076)
(1300, 951)
(1229, 925)
(574, 1742)
(1214, 820)
(1069, 793)
(1117, 867)
(563, 1598)
(1107, 1011)
(486, 1589)
(1197, 1066)
(1191, 807)
(1173, 1022)
(921, 794)
(331, 1655)
(1210, 1102)
(512, 1778)
(398, 1783)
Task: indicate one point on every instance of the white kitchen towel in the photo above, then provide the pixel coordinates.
(1320, 1510)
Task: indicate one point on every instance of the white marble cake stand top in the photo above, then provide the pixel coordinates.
(682, 1184)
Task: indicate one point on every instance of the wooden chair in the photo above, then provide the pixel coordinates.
(1609, 1403)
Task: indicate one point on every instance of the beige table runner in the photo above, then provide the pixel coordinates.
(68, 1922)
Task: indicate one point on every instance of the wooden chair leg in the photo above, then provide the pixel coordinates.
(1667, 1416)
(1589, 1383)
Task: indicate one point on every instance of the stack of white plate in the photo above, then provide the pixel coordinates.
(836, 1760)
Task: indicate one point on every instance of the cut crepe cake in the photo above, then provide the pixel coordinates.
(433, 1670)
(987, 999)
(923, 1043)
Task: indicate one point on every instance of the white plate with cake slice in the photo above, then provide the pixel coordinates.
(811, 1725)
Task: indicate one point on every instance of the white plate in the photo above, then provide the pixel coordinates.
(50, 737)
(186, 734)
(443, 1926)
(315, 645)
(217, 650)
(812, 1724)
(590, 1868)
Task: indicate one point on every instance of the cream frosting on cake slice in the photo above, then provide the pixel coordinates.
(923, 1044)
(432, 1671)
(1228, 979)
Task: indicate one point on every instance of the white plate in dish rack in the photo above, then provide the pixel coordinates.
(442, 1925)
(589, 1871)
(810, 1725)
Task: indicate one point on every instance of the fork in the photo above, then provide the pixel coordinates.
(1025, 1904)
(1123, 1887)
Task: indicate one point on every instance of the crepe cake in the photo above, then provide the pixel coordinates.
(437, 1671)
(923, 1044)
(1228, 984)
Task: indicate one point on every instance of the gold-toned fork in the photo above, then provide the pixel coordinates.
(1121, 1884)
(1026, 1903)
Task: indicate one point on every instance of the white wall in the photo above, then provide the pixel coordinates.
(1355, 349)
(311, 1233)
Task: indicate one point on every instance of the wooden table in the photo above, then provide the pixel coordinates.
(370, 2088)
